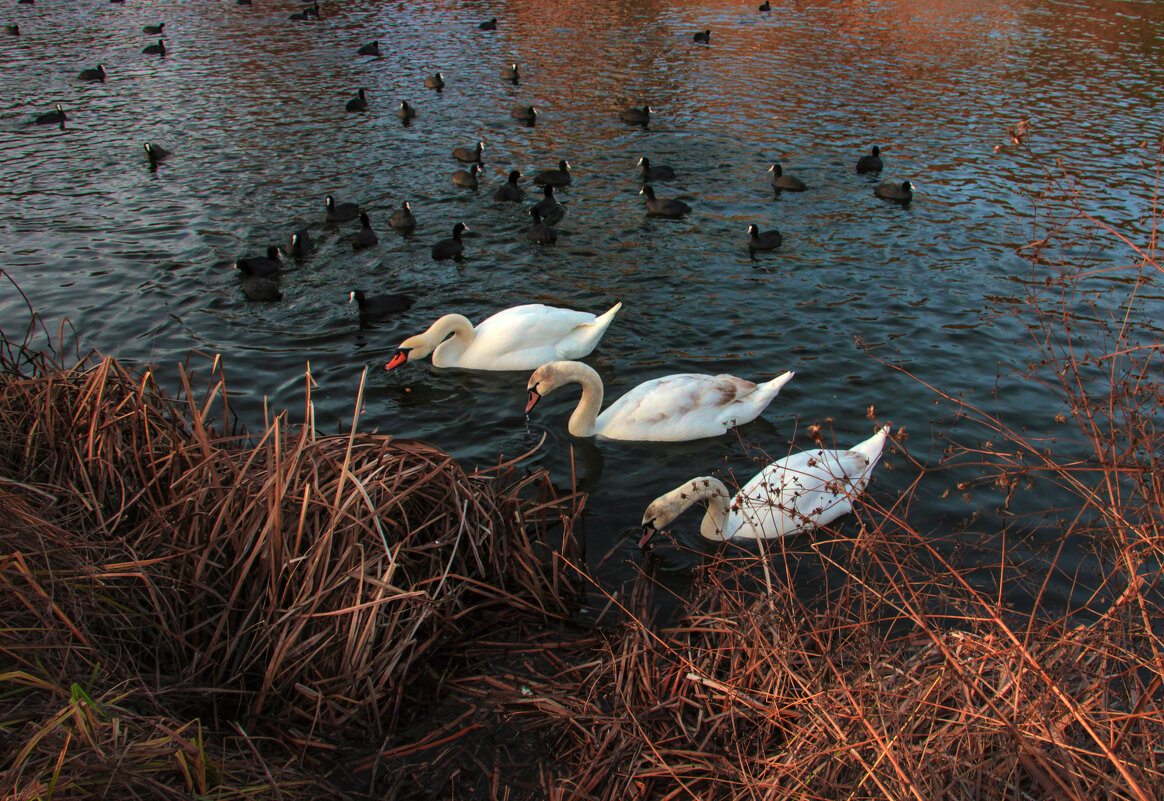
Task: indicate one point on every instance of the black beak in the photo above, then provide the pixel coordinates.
(534, 397)
(649, 531)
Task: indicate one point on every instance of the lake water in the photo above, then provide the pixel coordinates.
(252, 105)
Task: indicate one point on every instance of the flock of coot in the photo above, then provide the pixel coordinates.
(795, 493)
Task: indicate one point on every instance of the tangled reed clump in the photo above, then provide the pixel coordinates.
(300, 586)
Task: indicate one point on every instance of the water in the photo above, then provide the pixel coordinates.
(253, 107)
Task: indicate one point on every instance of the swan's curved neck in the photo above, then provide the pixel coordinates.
(446, 351)
(582, 421)
(703, 488)
(717, 496)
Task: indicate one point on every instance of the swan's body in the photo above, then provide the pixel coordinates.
(519, 338)
(799, 492)
(673, 408)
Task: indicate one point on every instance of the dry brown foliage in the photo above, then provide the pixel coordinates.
(306, 586)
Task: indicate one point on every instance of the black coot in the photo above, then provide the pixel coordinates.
(263, 290)
(52, 117)
(549, 208)
(510, 191)
(768, 240)
(785, 182)
(902, 192)
(663, 208)
(261, 266)
(469, 154)
(541, 232)
(870, 162)
(301, 243)
(95, 74)
(358, 103)
(365, 237)
(467, 178)
(526, 114)
(341, 212)
(156, 154)
(659, 173)
(402, 219)
(372, 306)
(636, 116)
(452, 247)
(558, 177)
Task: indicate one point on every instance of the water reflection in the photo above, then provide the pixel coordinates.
(252, 106)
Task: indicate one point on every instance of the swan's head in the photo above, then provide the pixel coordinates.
(421, 345)
(657, 516)
(664, 509)
(545, 380)
(402, 355)
(411, 349)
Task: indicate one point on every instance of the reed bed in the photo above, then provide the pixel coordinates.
(163, 575)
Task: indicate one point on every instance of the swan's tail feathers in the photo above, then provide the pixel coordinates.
(584, 338)
(770, 389)
(604, 320)
(598, 327)
(870, 449)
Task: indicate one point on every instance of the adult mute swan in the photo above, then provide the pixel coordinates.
(673, 408)
(519, 338)
(796, 493)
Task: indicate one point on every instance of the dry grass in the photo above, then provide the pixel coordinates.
(301, 588)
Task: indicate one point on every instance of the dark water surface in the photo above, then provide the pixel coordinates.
(252, 105)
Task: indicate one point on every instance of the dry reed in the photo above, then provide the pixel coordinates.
(307, 589)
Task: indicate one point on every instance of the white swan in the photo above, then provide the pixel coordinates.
(796, 493)
(519, 338)
(673, 408)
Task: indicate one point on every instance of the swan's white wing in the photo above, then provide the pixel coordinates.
(522, 337)
(672, 408)
(798, 492)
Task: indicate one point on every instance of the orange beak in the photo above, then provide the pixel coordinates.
(399, 358)
(534, 397)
